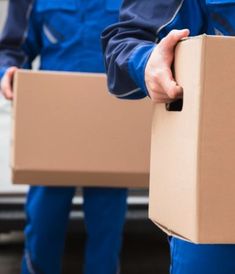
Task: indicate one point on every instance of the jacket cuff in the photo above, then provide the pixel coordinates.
(2, 71)
(137, 64)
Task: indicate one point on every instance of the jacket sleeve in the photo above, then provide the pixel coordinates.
(128, 44)
(14, 34)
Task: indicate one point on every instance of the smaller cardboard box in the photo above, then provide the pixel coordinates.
(68, 130)
(192, 174)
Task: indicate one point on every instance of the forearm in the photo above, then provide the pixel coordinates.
(125, 69)
(128, 44)
(13, 34)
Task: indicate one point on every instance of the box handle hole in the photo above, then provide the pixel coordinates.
(175, 106)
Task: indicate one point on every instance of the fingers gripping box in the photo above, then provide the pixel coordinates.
(192, 174)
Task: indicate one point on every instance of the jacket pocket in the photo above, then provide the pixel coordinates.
(59, 18)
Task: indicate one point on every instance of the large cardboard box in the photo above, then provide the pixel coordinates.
(192, 174)
(67, 130)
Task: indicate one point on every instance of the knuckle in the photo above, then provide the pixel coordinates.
(173, 34)
(163, 40)
(173, 93)
(154, 88)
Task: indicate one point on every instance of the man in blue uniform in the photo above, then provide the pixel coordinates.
(66, 36)
(140, 49)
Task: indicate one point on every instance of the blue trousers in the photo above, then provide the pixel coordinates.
(188, 258)
(47, 212)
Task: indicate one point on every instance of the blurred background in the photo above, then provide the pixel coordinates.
(145, 248)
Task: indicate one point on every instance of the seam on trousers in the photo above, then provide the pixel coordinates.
(29, 263)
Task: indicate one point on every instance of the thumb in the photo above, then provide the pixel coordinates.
(6, 83)
(171, 40)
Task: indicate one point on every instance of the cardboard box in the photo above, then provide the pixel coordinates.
(67, 130)
(192, 173)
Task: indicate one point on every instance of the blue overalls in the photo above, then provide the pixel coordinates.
(66, 36)
(127, 46)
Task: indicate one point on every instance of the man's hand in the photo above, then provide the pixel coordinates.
(6, 83)
(159, 80)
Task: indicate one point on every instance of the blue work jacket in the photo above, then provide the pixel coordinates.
(129, 43)
(64, 33)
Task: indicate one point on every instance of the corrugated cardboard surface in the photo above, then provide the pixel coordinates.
(69, 131)
(192, 190)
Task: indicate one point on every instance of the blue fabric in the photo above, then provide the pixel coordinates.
(13, 33)
(137, 64)
(66, 36)
(104, 219)
(48, 210)
(2, 72)
(145, 23)
(188, 258)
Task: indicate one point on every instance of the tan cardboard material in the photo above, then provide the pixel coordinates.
(67, 130)
(192, 173)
